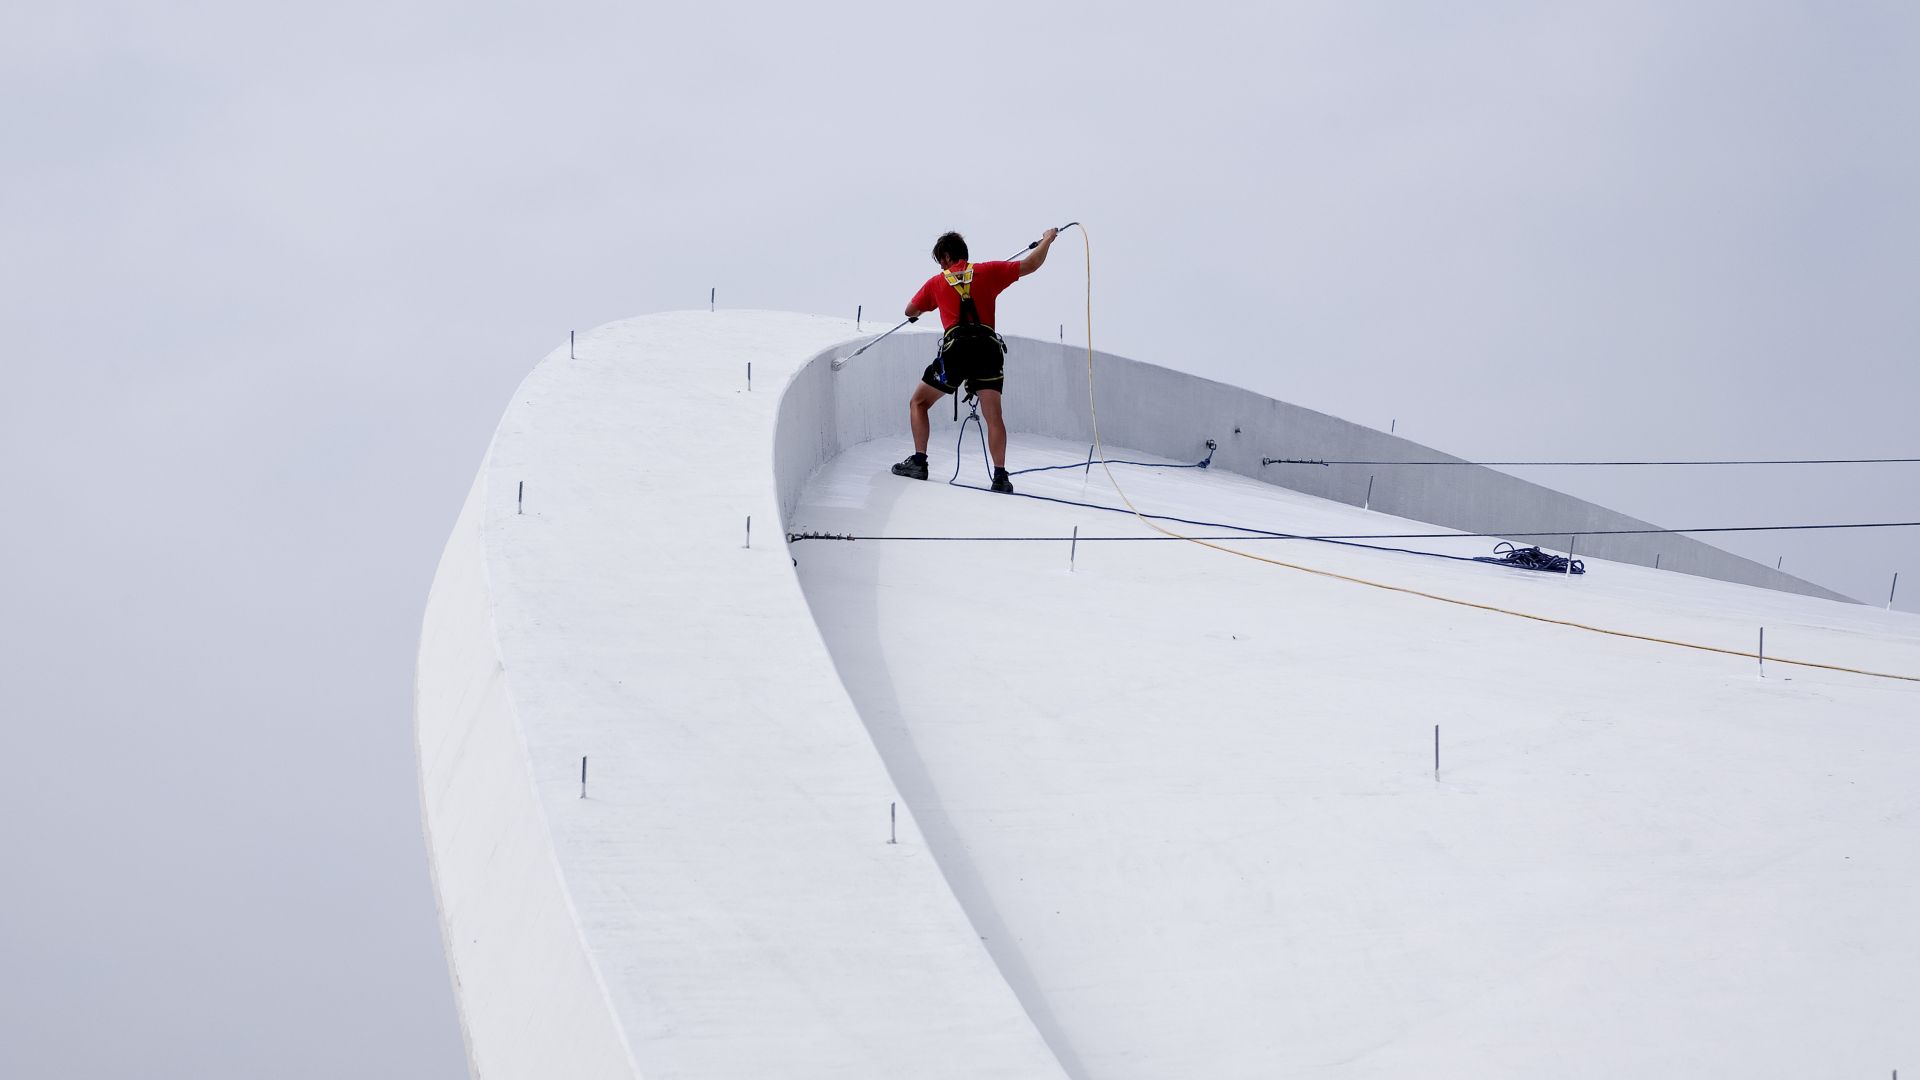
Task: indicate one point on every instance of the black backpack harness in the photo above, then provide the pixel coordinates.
(967, 328)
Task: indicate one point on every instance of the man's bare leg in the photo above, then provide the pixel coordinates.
(996, 428)
(923, 398)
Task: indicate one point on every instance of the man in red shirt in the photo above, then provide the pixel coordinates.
(970, 352)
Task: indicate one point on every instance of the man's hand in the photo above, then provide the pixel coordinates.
(1038, 255)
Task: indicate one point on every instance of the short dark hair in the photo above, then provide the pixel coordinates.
(951, 247)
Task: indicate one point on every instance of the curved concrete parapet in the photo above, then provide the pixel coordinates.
(724, 900)
(1172, 414)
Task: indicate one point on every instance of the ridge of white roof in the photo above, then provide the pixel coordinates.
(729, 869)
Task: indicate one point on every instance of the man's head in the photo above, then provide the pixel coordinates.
(949, 249)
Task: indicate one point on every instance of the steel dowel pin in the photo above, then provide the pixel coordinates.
(1073, 549)
(1656, 560)
(857, 309)
(570, 355)
(583, 776)
(1896, 588)
(520, 499)
(1570, 541)
(1368, 503)
(893, 823)
(1762, 654)
(749, 376)
(749, 532)
(1436, 751)
(711, 294)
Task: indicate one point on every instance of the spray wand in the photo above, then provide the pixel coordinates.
(840, 362)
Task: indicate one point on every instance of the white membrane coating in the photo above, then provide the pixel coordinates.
(1160, 811)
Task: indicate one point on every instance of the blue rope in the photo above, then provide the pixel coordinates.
(1256, 533)
(974, 419)
(1092, 461)
(986, 459)
(1105, 461)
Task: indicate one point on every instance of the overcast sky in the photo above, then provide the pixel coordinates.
(268, 274)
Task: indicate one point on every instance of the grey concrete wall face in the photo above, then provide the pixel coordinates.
(1172, 414)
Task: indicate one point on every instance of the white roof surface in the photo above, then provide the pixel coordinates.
(1164, 813)
(1190, 801)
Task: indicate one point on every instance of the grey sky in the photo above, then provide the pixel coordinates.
(270, 274)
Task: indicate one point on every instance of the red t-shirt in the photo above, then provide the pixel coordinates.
(989, 279)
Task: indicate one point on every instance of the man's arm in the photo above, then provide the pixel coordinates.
(1038, 256)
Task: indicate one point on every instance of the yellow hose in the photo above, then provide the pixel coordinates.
(1101, 452)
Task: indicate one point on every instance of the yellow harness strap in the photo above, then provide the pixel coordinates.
(962, 282)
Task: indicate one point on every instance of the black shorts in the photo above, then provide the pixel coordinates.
(977, 359)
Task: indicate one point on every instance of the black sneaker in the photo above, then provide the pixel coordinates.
(1002, 482)
(915, 467)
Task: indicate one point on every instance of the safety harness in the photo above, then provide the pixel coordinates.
(962, 283)
(968, 325)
